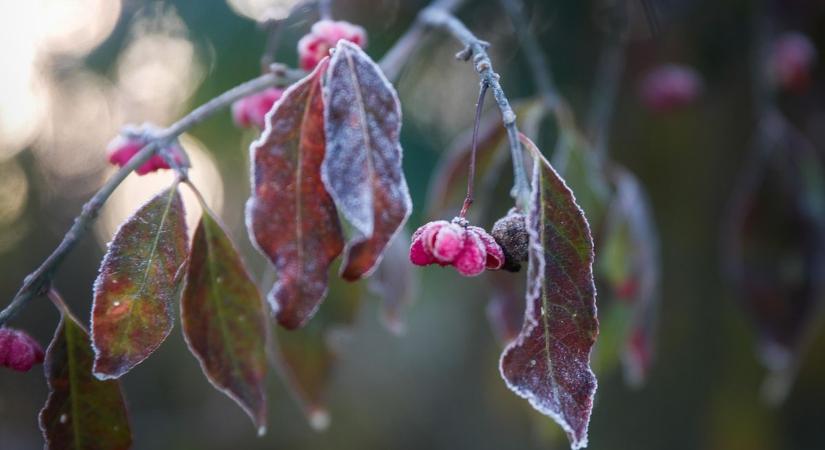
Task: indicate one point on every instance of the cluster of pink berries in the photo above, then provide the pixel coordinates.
(126, 145)
(469, 249)
(323, 36)
(18, 350)
(312, 48)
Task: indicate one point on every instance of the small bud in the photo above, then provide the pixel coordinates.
(251, 110)
(792, 59)
(323, 36)
(510, 232)
(670, 87)
(18, 350)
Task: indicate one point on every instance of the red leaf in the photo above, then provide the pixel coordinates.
(290, 216)
(362, 169)
(224, 321)
(549, 363)
(395, 282)
(138, 285)
(505, 309)
(81, 412)
(307, 358)
(775, 247)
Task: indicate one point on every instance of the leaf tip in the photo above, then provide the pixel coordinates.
(319, 419)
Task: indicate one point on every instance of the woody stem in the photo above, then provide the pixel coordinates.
(471, 174)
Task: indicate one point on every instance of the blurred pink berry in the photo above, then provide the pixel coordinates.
(792, 60)
(670, 87)
(18, 350)
(470, 249)
(124, 147)
(324, 35)
(251, 110)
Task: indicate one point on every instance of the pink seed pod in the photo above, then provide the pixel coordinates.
(470, 249)
(670, 87)
(126, 145)
(792, 59)
(18, 350)
(251, 110)
(323, 36)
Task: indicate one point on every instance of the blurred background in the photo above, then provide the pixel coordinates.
(75, 71)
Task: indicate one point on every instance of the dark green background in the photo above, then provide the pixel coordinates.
(438, 386)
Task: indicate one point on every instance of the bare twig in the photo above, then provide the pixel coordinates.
(608, 77)
(476, 49)
(39, 281)
(393, 61)
(325, 9)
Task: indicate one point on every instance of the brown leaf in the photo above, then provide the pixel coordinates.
(549, 363)
(138, 285)
(362, 169)
(82, 412)
(223, 319)
(290, 216)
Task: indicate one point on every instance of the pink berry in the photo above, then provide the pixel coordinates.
(473, 257)
(124, 147)
(323, 36)
(670, 87)
(470, 249)
(494, 252)
(792, 60)
(18, 350)
(251, 110)
(447, 242)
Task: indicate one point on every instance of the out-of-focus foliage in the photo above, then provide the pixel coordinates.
(437, 387)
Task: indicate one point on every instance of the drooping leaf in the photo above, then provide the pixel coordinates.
(138, 285)
(775, 247)
(505, 308)
(549, 362)
(224, 321)
(448, 185)
(395, 282)
(82, 412)
(290, 216)
(362, 169)
(628, 265)
(307, 358)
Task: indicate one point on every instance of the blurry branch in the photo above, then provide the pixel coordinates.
(39, 281)
(395, 58)
(608, 77)
(325, 9)
(476, 50)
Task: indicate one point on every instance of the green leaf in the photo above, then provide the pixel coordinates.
(549, 362)
(81, 412)
(224, 321)
(138, 285)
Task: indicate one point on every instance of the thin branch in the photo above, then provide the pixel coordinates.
(39, 281)
(476, 49)
(395, 58)
(536, 59)
(325, 9)
(471, 173)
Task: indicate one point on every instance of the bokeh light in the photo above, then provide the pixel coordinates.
(261, 10)
(137, 190)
